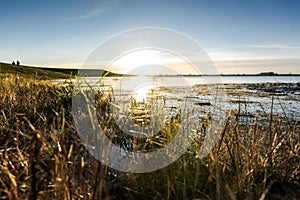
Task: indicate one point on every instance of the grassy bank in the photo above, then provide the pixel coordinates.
(43, 73)
(32, 72)
(42, 157)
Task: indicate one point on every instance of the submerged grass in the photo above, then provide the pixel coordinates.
(42, 157)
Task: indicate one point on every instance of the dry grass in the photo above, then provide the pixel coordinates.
(41, 156)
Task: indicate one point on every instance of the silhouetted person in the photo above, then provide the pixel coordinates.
(13, 63)
(18, 63)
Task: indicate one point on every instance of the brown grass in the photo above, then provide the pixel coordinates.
(41, 156)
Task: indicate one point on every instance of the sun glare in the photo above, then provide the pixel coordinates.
(138, 58)
(136, 62)
(140, 94)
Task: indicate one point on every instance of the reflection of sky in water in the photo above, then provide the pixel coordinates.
(178, 89)
(183, 81)
(190, 81)
(283, 105)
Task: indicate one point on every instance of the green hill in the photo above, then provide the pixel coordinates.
(31, 72)
(47, 73)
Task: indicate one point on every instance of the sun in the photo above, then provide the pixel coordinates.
(141, 58)
(141, 93)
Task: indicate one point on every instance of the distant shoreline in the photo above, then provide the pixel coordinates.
(53, 73)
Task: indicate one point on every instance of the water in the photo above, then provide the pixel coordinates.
(193, 80)
(175, 81)
(233, 79)
(205, 94)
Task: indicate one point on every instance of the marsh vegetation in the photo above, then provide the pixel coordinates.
(42, 156)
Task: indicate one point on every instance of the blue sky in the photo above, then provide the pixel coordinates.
(239, 36)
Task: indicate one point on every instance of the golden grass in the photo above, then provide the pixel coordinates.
(41, 156)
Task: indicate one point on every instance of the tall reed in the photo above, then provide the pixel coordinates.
(42, 157)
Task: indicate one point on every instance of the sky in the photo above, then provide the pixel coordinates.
(238, 36)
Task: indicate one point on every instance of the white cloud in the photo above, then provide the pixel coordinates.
(259, 65)
(100, 8)
(94, 13)
(255, 52)
(274, 46)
